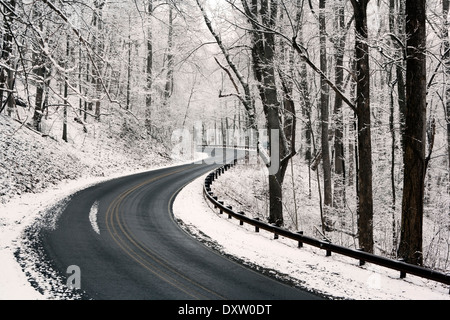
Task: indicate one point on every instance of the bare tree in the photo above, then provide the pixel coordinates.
(414, 161)
(446, 58)
(98, 40)
(365, 197)
(42, 70)
(265, 13)
(339, 40)
(325, 114)
(149, 68)
(245, 97)
(168, 87)
(7, 70)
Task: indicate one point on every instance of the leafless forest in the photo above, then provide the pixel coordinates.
(358, 90)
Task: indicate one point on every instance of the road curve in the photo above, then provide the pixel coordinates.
(122, 236)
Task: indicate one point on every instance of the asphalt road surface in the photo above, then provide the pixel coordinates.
(140, 252)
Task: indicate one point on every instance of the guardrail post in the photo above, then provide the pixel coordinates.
(328, 251)
(300, 244)
(229, 215)
(256, 227)
(402, 273)
(275, 235)
(215, 199)
(221, 202)
(240, 221)
(361, 261)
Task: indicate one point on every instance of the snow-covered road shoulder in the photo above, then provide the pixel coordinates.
(336, 276)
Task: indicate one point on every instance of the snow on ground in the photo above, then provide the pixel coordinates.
(37, 173)
(337, 276)
(333, 276)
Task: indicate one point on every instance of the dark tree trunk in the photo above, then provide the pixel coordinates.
(66, 92)
(99, 45)
(325, 114)
(339, 158)
(130, 46)
(400, 66)
(365, 203)
(7, 73)
(168, 88)
(263, 55)
(149, 97)
(39, 60)
(446, 58)
(410, 248)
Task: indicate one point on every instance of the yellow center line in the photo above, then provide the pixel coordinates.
(113, 218)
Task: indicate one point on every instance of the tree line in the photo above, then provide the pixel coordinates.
(351, 59)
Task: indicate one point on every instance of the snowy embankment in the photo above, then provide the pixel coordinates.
(308, 267)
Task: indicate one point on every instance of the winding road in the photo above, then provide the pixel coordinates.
(127, 245)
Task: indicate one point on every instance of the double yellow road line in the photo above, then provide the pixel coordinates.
(140, 253)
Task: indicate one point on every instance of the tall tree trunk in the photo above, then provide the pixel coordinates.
(99, 45)
(365, 199)
(393, 17)
(129, 65)
(305, 97)
(410, 248)
(289, 122)
(149, 69)
(339, 157)
(66, 87)
(263, 54)
(40, 61)
(168, 88)
(400, 67)
(325, 114)
(446, 58)
(272, 110)
(7, 73)
(303, 87)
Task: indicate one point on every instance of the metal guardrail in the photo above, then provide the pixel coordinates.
(363, 257)
(221, 146)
